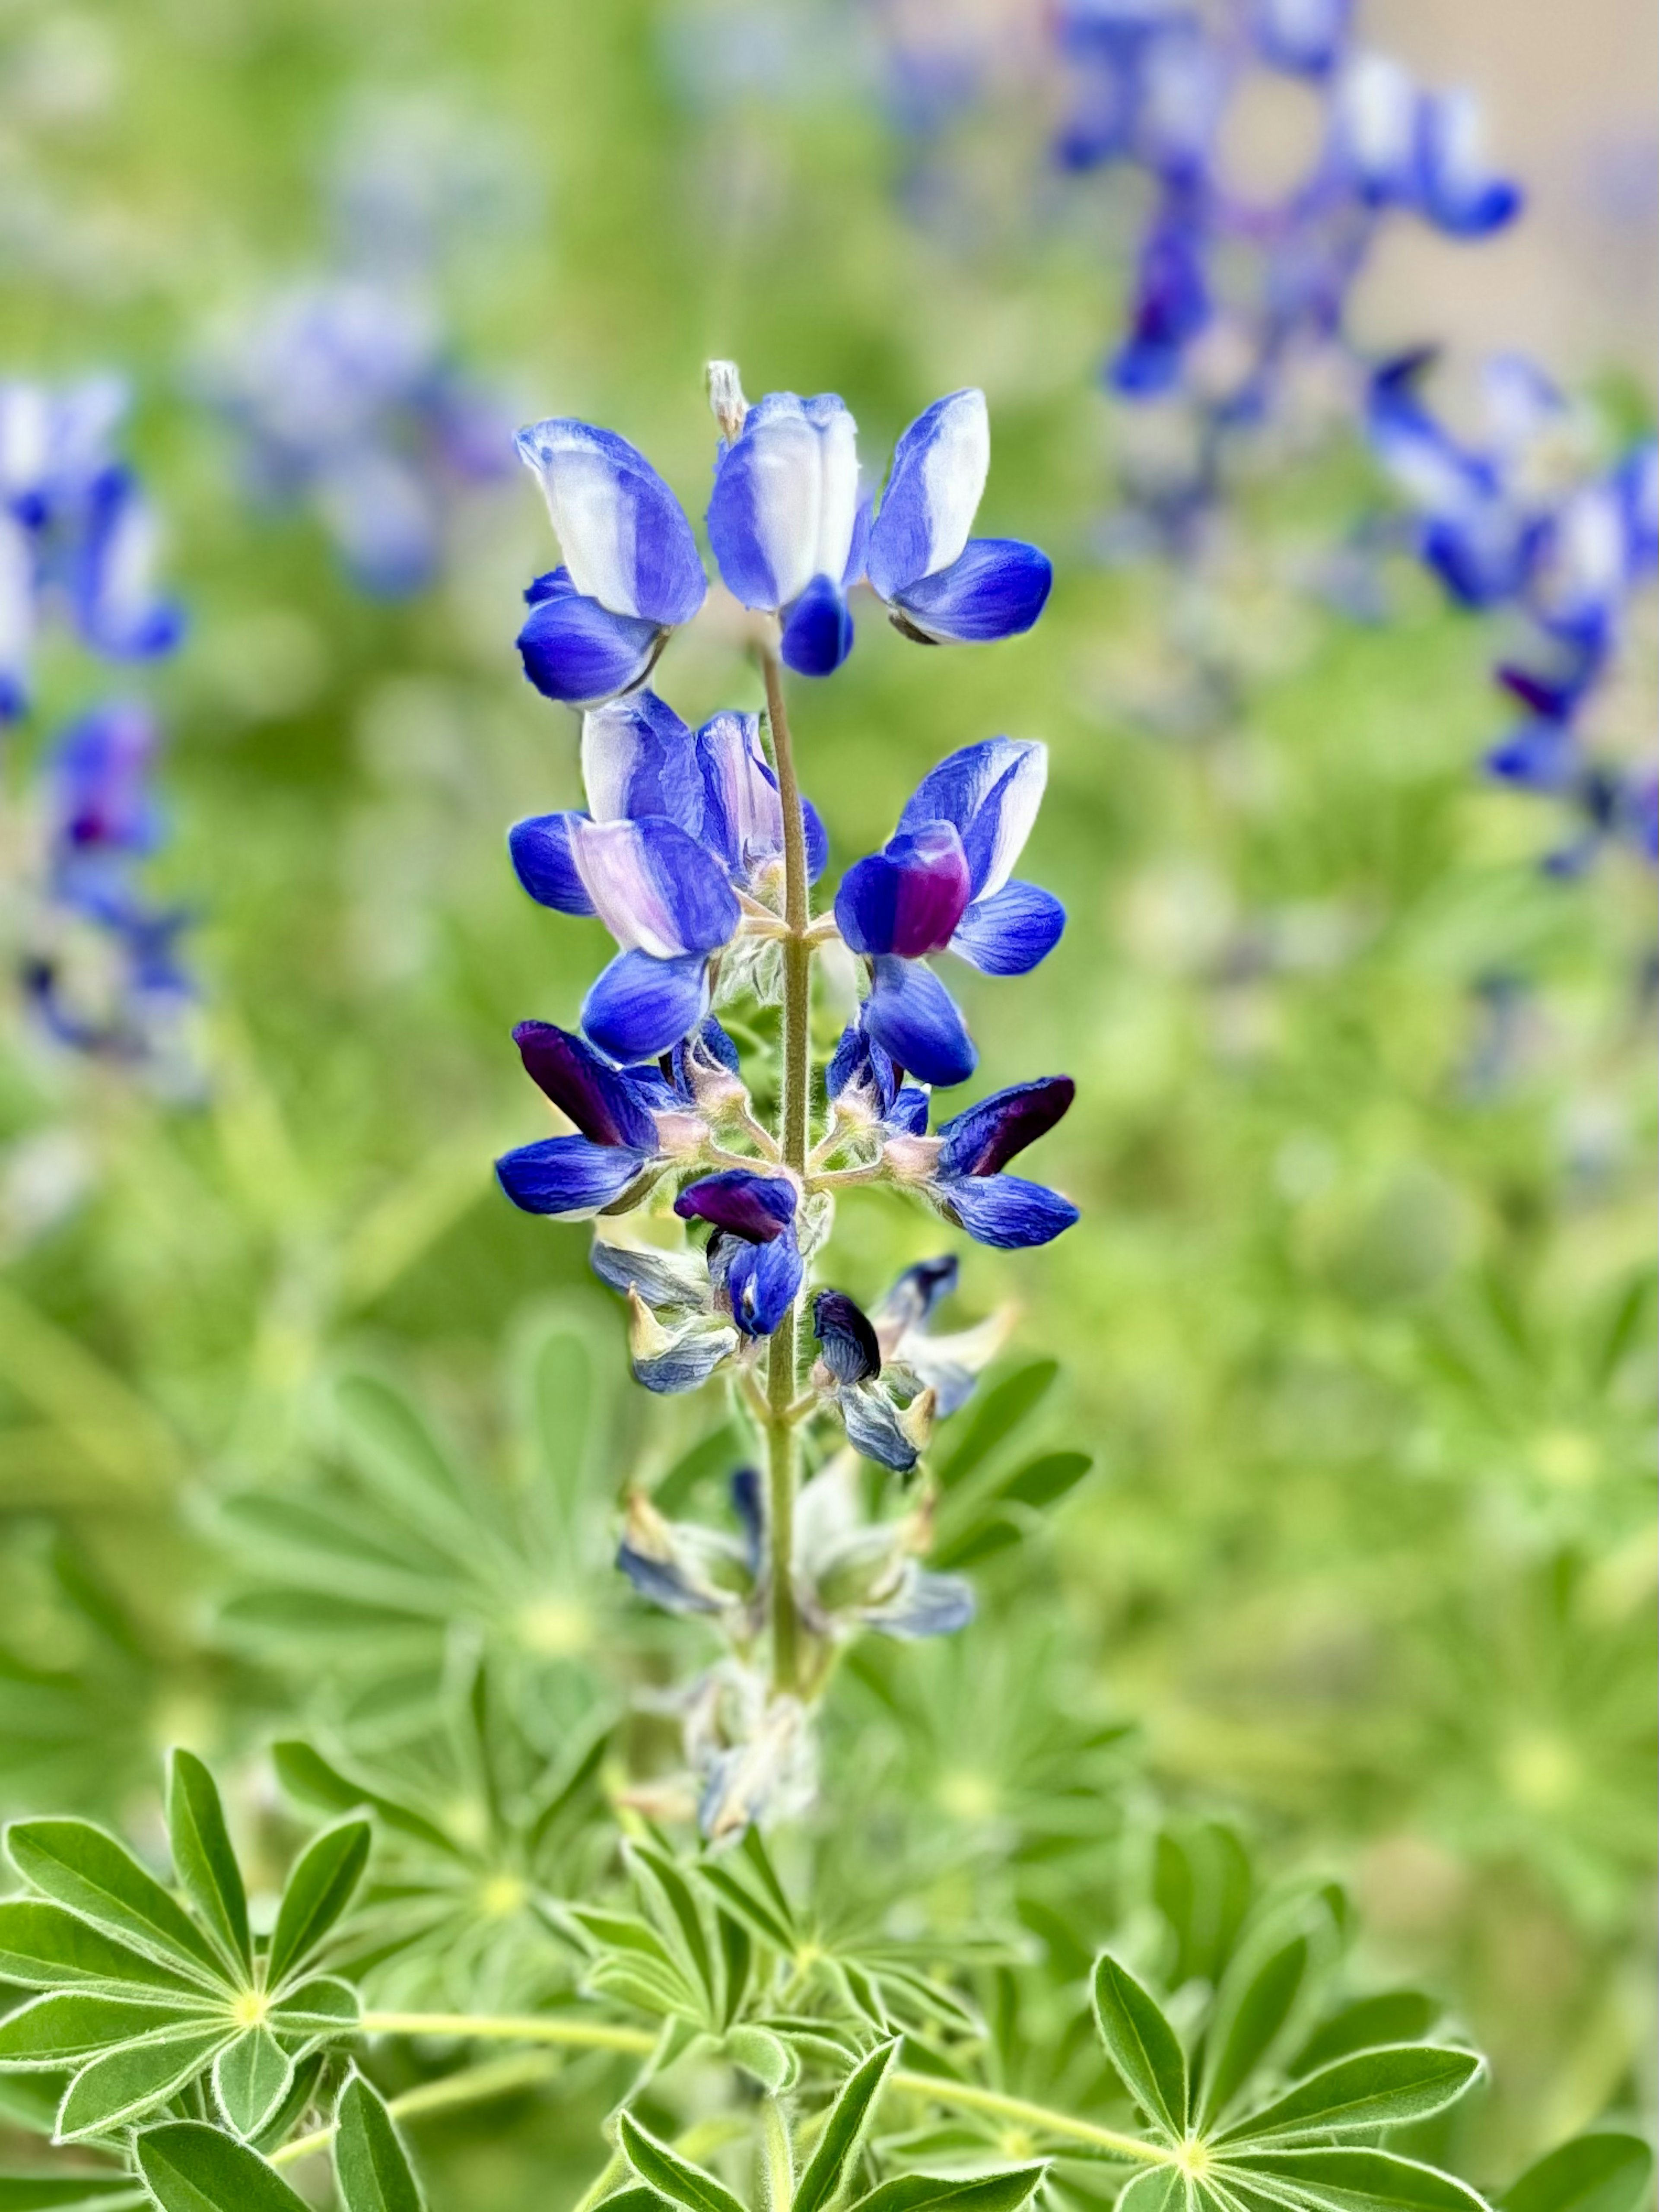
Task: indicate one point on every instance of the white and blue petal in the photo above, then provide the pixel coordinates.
(17, 617)
(785, 506)
(1009, 931)
(544, 858)
(116, 602)
(640, 1007)
(1375, 128)
(1005, 1210)
(1455, 189)
(639, 758)
(576, 651)
(656, 889)
(990, 793)
(568, 1177)
(663, 1281)
(624, 536)
(933, 491)
(996, 589)
(1301, 37)
(876, 1429)
(914, 1018)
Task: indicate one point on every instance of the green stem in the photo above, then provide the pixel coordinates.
(576, 2033)
(782, 1359)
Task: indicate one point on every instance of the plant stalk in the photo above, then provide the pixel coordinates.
(605, 2035)
(782, 1359)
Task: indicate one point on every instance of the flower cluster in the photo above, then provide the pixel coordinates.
(1239, 301)
(101, 968)
(96, 959)
(78, 539)
(1526, 519)
(697, 851)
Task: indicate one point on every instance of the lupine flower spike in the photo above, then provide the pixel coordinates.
(697, 851)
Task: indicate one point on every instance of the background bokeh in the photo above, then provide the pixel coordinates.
(1358, 1320)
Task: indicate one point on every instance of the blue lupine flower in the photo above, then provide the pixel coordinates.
(949, 1366)
(940, 584)
(753, 1256)
(966, 1181)
(631, 571)
(787, 524)
(865, 1090)
(617, 1146)
(1303, 38)
(943, 881)
(687, 1568)
(849, 1374)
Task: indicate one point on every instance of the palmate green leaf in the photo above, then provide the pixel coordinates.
(203, 1858)
(1346, 2180)
(1000, 1412)
(671, 2175)
(757, 1914)
(59, 2191)
(191, 2167)
(370, 2163)
(1391, 2016)
(1386, 2089)
(1201, 1884)
(1142, 2045)
(250, 2078)
(124, 2084)
(1254, 2001)
(1157, 2189)
(396, 1453)
(82, 1868)
(773, 2063)
(43, 1946)
(68, 2025)
(319, 1890)
(737, 1960)
(632, 1962)
(1003, 2192)
(306, 1776)
(1599, 2172)
(844, 2131)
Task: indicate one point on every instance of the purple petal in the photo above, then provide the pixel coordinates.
(987, 1136)
(598, 1098)
(756, 1208)
(908, 898)
(848, 1343)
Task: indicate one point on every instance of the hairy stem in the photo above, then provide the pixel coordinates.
(575, 2034)
(782, 1357)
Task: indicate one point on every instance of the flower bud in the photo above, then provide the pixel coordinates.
(730, 409)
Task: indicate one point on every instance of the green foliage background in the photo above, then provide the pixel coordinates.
(1358, 1322)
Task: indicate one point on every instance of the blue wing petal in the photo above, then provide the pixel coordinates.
(1006, 1211)
(545, 862)
(576, 651)
(914, 1018)
(570, 1177)
(997, 589)
(639, 758)
(639, 1008)
(1009, 932)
